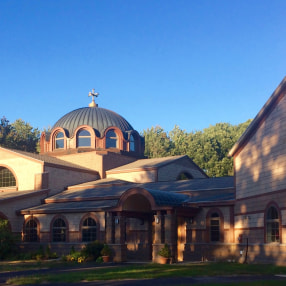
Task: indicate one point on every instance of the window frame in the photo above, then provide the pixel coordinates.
(79, 137)
(31, 233)
(7, 178)
(59, 233)
(89, 231)
(215, 215)
(214, 227)
(59, 139)
(132, 143)
(110, 139)
(272, 224)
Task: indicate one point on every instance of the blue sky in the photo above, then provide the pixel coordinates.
(155, 62)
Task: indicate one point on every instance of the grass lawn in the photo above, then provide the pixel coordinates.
(144, 271)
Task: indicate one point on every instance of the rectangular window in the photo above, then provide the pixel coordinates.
(215, 231)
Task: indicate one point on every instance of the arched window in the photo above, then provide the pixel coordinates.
(111, 139)
(7, 179)
(89, 230)
(184, 176)
(272, 225)
(83, 138)
(59, 141)
(214, 227)
(132, 143)
(31, 231)
(59, 230)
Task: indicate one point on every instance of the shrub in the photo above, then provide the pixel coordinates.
(105, 251)
(165, 251)
(99, 259)
(92, 250)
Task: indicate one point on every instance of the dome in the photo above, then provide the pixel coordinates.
(98, 118)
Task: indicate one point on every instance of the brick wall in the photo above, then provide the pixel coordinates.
(60, 178)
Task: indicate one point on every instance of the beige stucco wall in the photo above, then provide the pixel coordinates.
(90, 160)
(100, 161)
(24, 169)
(261, 165)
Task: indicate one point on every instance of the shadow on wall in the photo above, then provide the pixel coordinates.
(261, 182)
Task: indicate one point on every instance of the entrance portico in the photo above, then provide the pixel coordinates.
(143, 221)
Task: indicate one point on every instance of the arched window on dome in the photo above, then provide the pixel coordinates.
(7, 178)
(83, 138)
(60, 140)
(111, 139)
(132, 143)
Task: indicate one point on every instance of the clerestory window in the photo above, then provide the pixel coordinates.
(111, 139)
(132, 143)
(83, 138)
(59, 140)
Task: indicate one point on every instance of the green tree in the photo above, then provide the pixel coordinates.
(157, 142)
(207, 148)
(7, 240)
(5, 129)
(19, 135)
(180, 141)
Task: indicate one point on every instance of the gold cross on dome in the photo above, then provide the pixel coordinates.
(93, 94)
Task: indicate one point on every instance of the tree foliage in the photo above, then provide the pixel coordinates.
(7, 240)
(19, 135)
(207, 148)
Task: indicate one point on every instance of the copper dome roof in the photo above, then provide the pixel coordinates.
(98, 118)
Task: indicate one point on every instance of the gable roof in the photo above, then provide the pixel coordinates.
(153, 163)
(148, 163)
(260, 117)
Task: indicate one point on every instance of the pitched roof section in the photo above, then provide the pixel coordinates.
(147, 163)
(192, 185)
(48, 159)
(262, 114)
(153, 163)
(70, 207)
(106, 193)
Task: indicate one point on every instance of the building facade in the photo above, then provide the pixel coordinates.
(91, 181)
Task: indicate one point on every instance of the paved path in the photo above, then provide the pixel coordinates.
(4, 276)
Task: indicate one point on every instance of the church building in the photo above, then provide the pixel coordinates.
(91, 181)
